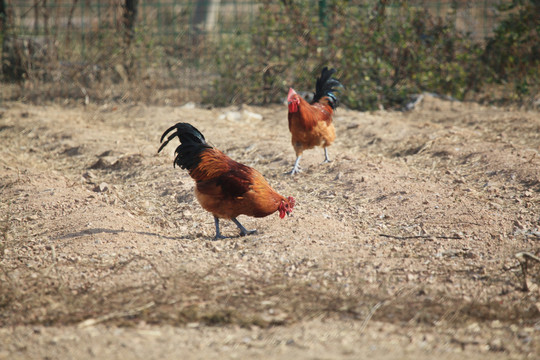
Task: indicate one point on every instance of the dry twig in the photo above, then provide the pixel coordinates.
(116, 315)
(370, 315)
(522, 257)
(420, 237)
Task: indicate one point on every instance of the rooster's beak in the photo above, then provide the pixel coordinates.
(290, 95)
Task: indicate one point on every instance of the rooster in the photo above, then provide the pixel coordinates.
(310, 123)
(224, 187)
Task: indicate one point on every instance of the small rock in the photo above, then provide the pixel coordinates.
(412, 277)
(496, 324)
(474, 327)
(89, 175)
(234, 116)
(248, 115)
(103, 187)
(188, 105)
(496, 345)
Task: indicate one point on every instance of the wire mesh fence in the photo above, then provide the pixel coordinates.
(177, 43)
(169, 21)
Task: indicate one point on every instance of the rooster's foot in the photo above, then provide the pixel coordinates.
(296, 167)
(247, 232)
(326, 157)
(243, 230)
(294, 171)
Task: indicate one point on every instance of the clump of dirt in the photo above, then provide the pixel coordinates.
(421, 237)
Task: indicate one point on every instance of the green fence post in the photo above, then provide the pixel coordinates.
(323, 18)
(82, 29)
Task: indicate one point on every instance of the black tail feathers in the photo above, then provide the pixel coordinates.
(192, 143)
(326, 86)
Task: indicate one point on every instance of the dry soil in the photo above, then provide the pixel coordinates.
(410, 244)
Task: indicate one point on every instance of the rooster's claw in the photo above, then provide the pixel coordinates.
(248, 232)
(295, 170)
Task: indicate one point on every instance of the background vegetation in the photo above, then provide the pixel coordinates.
(387, 52)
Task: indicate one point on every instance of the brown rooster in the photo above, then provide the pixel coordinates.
(311, 123)
(224, 187)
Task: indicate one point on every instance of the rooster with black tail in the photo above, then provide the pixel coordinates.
(223, 186)
(311, 123)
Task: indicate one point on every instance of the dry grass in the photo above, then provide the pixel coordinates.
(186, 297)
(414, 240)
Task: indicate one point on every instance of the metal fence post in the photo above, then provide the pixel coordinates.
(323, 18)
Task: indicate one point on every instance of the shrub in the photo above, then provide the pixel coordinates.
(381, 59)
(512, 55)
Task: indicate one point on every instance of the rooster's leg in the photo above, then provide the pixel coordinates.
(218, 234)
(243, 230)
(326, 157)
(296, 167)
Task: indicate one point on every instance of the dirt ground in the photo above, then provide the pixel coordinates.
(409, 244)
